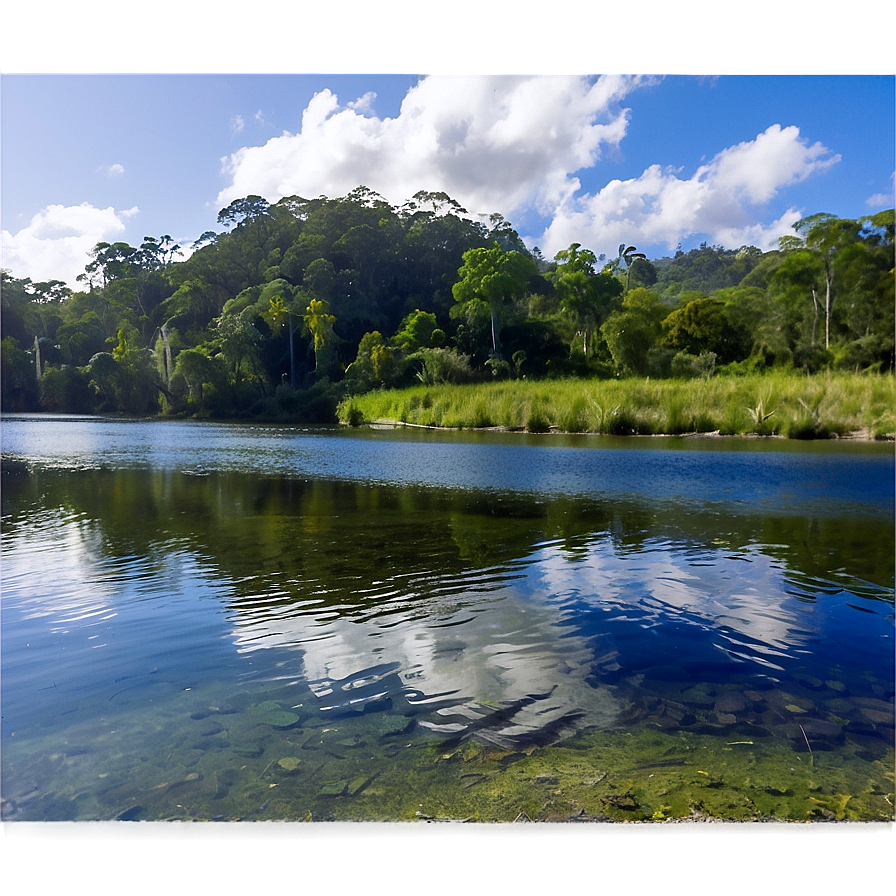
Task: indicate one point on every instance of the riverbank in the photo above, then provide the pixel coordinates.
(786, 404)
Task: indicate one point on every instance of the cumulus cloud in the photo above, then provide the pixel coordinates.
(115, 170)
(882, 200)
(518, 145)
(492, 143)
(56, 243)
(720, 200)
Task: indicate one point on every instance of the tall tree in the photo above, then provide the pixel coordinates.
(585, 296)
(319, 324)
(827, 235)
(494, 276)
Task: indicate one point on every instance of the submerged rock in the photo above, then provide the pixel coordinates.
(730, 702)
(333, 789)
(697, 696)
(130, 814)
(281, 719)
(356, 785)
(667, 673)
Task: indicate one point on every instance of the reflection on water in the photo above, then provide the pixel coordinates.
(179, 642)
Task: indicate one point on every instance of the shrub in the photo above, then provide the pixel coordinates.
(688, 366)
(442, 365)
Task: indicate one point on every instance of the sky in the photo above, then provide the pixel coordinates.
(656, 161)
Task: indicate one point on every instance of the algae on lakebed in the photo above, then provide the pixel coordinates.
(381, 767)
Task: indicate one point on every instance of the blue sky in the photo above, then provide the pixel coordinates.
(654, 161)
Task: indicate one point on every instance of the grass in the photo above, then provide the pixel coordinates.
(785, 403)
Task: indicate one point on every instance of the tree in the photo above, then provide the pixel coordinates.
(375, 363)
(197, 369)
(798, 277)
(80, 340)
(239, 341)
(632, 331)
(702, 326)
(628, 256)
(826, 235)
(138, 386)
(416, 331)
(17, 378)
(494, 276)
(282, 312)
(194, 303)
(319, 325)
(585, 296)
(252, 210)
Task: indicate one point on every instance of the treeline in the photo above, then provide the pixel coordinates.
(296, 305)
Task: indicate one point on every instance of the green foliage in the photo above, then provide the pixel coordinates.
(442, 365)
(18, 378)
(493, 276)
(67, 390)
(586, 297)
(417, 331)
(702, 327)
(80, 340)
(376, 364)
(429, 279)
(687, 366)
(319, 325)
(763, 404)
(633, 330)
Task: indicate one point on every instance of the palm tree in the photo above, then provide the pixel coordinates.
(629, 256)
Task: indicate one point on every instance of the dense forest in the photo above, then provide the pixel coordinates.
(296, 305)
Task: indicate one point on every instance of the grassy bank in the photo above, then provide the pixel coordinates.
(791, 404)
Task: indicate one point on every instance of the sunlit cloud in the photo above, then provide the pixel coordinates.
(882, 200)
(720, 199)
(56, 243)
(115, 170)
(518, 146)
(492, 143)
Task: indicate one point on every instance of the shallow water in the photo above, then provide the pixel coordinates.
(251, 622)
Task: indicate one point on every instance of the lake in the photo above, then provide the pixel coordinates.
(251, 622)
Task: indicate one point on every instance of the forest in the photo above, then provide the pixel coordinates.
(297, 305)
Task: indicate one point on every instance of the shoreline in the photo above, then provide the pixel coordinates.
(789, 405)
(861, 435)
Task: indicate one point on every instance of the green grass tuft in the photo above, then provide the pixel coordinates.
(788, 403)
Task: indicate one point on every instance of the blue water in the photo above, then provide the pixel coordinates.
(508, 589)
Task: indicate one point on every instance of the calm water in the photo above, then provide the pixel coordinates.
(253, 622)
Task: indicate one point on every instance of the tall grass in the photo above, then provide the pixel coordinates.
(783, 403)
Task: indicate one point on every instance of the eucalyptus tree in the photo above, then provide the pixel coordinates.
(493, 276)
(826, 235)
(585, 296)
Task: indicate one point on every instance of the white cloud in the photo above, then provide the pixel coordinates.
(56, 243)
(237, 124)
(492, 143)
(115, 170)
(719, 200)
(516, 145)
(882, 200)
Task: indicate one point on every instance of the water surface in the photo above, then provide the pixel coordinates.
(251, 622)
